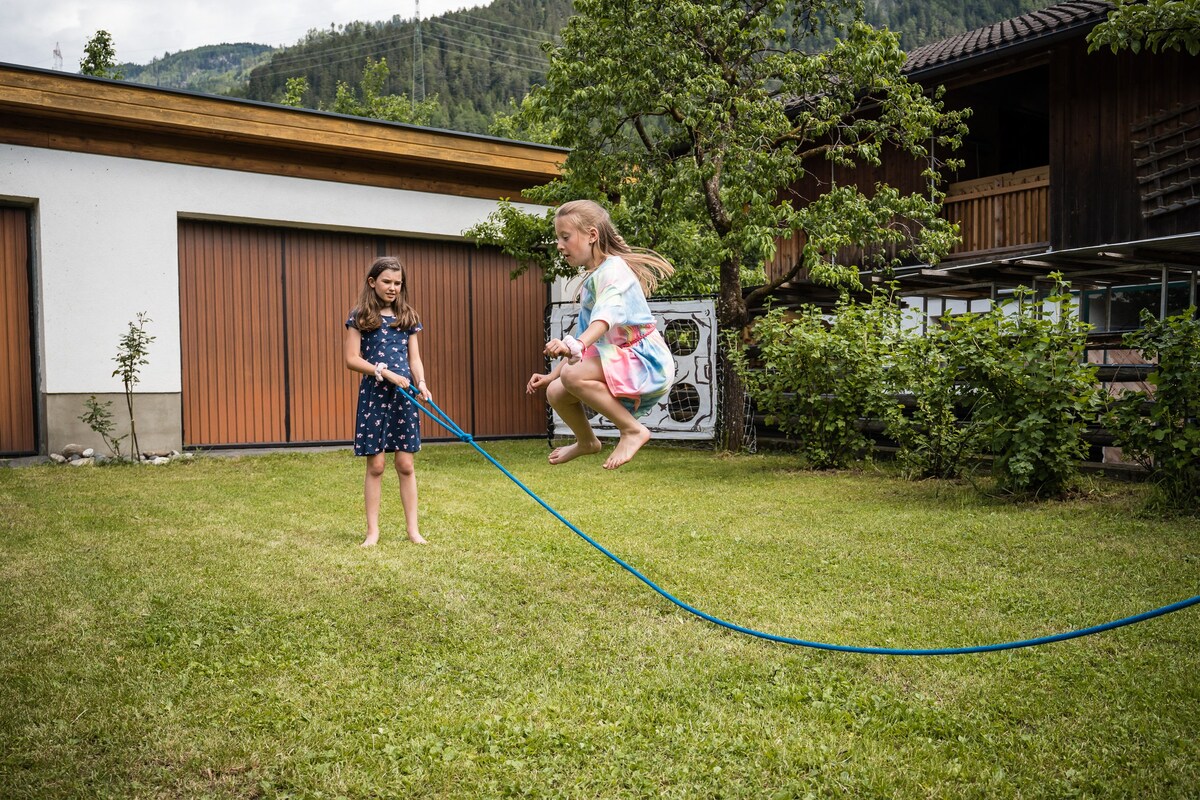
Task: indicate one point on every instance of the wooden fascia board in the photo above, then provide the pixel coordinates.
(117, 106)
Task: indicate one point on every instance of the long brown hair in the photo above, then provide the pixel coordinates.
(647, 265)
(368, 314)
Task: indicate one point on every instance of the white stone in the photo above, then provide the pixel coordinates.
(159, 461)
(89, 453)
(57, 458)
(82, 462)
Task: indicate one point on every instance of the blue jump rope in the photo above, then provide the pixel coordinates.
(431, 409)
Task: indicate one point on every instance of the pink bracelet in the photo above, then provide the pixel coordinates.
(379, 368)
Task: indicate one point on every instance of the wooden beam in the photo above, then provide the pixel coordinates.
(72, 112)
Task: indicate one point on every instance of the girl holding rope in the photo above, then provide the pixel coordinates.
(381, 343)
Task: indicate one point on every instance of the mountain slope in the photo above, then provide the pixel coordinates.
(213, 69)
(475, 61)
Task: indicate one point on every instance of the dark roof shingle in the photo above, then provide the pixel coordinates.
(1007, 33)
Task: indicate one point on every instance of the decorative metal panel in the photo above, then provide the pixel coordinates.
(690, 330)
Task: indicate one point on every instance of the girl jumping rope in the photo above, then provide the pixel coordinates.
(381, 343)
(616, 362)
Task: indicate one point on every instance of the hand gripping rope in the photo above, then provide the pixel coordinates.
(431, 409)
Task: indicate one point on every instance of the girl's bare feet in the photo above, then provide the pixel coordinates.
(627, 447)
(417, 538)
(562, 455)
(371, 540)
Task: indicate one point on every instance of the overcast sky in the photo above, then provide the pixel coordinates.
(145, 29)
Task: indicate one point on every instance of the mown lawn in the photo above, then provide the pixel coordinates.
(212, 629)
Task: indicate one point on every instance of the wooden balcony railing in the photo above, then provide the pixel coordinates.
(1000, 212)
(995, 213)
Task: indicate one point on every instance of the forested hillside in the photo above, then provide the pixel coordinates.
(474, 61)
(214, 69)
(921, 21)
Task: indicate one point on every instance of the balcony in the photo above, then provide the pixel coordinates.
(1000, 213)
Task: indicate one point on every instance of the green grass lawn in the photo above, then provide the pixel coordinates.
(212, 629)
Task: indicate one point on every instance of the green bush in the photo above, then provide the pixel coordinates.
(940, 434)
(820, 377)
(1164, 435)
(1024, 358)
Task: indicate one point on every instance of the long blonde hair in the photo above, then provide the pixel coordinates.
(647, 265)
(368, 314)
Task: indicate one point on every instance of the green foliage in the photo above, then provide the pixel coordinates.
(132, 349)
(821, 375)
(919, 22)
(214, 69)
(477, 61)
(98, 417)
(293, 94)
(100, 57)
(480, 61)
(371, 101)
(1025, 359)
(940, 434)
(516, 123)
(1164, 435)
(1155, 25)
(695, 118)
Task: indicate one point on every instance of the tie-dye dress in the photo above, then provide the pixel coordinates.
(637, 363)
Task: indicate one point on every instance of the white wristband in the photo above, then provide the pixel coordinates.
(379, 368)
(575, 347)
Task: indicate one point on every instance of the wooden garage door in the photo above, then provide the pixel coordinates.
(482, 339)
(18, 434)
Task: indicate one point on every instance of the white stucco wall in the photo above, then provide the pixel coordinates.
(105, 245)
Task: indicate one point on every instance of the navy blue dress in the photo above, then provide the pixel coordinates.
(386, 420)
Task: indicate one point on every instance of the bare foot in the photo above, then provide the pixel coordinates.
(417, 538)
(562, 455)
(627, 447)
(371, 540)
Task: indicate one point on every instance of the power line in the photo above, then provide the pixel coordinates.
(478, 28)
(520, 62)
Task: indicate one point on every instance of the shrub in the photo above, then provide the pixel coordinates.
(940, 433)
(98, 417)
(1024, 358)
(1164, 435)
(820, 376)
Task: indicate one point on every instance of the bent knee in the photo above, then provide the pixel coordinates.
(575, 375)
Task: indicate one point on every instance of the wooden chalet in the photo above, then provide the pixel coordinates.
(1082, 163)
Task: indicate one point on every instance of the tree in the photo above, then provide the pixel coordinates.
(692, 121)
(293, 93)
(1154, 24)
(132, 349)
(372, 102)
(100, 57)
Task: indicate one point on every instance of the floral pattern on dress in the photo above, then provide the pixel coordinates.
(386, 420)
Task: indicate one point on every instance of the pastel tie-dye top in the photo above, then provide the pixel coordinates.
(638, 366)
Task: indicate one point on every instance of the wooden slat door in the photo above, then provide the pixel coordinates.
(17, 421)
(323, 274)
(509, 319)
(262, 324)
(232, 335)
(439, 278)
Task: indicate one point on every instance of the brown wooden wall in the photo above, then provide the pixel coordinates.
(267, 366)
(1094, 101)
(18, 430)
